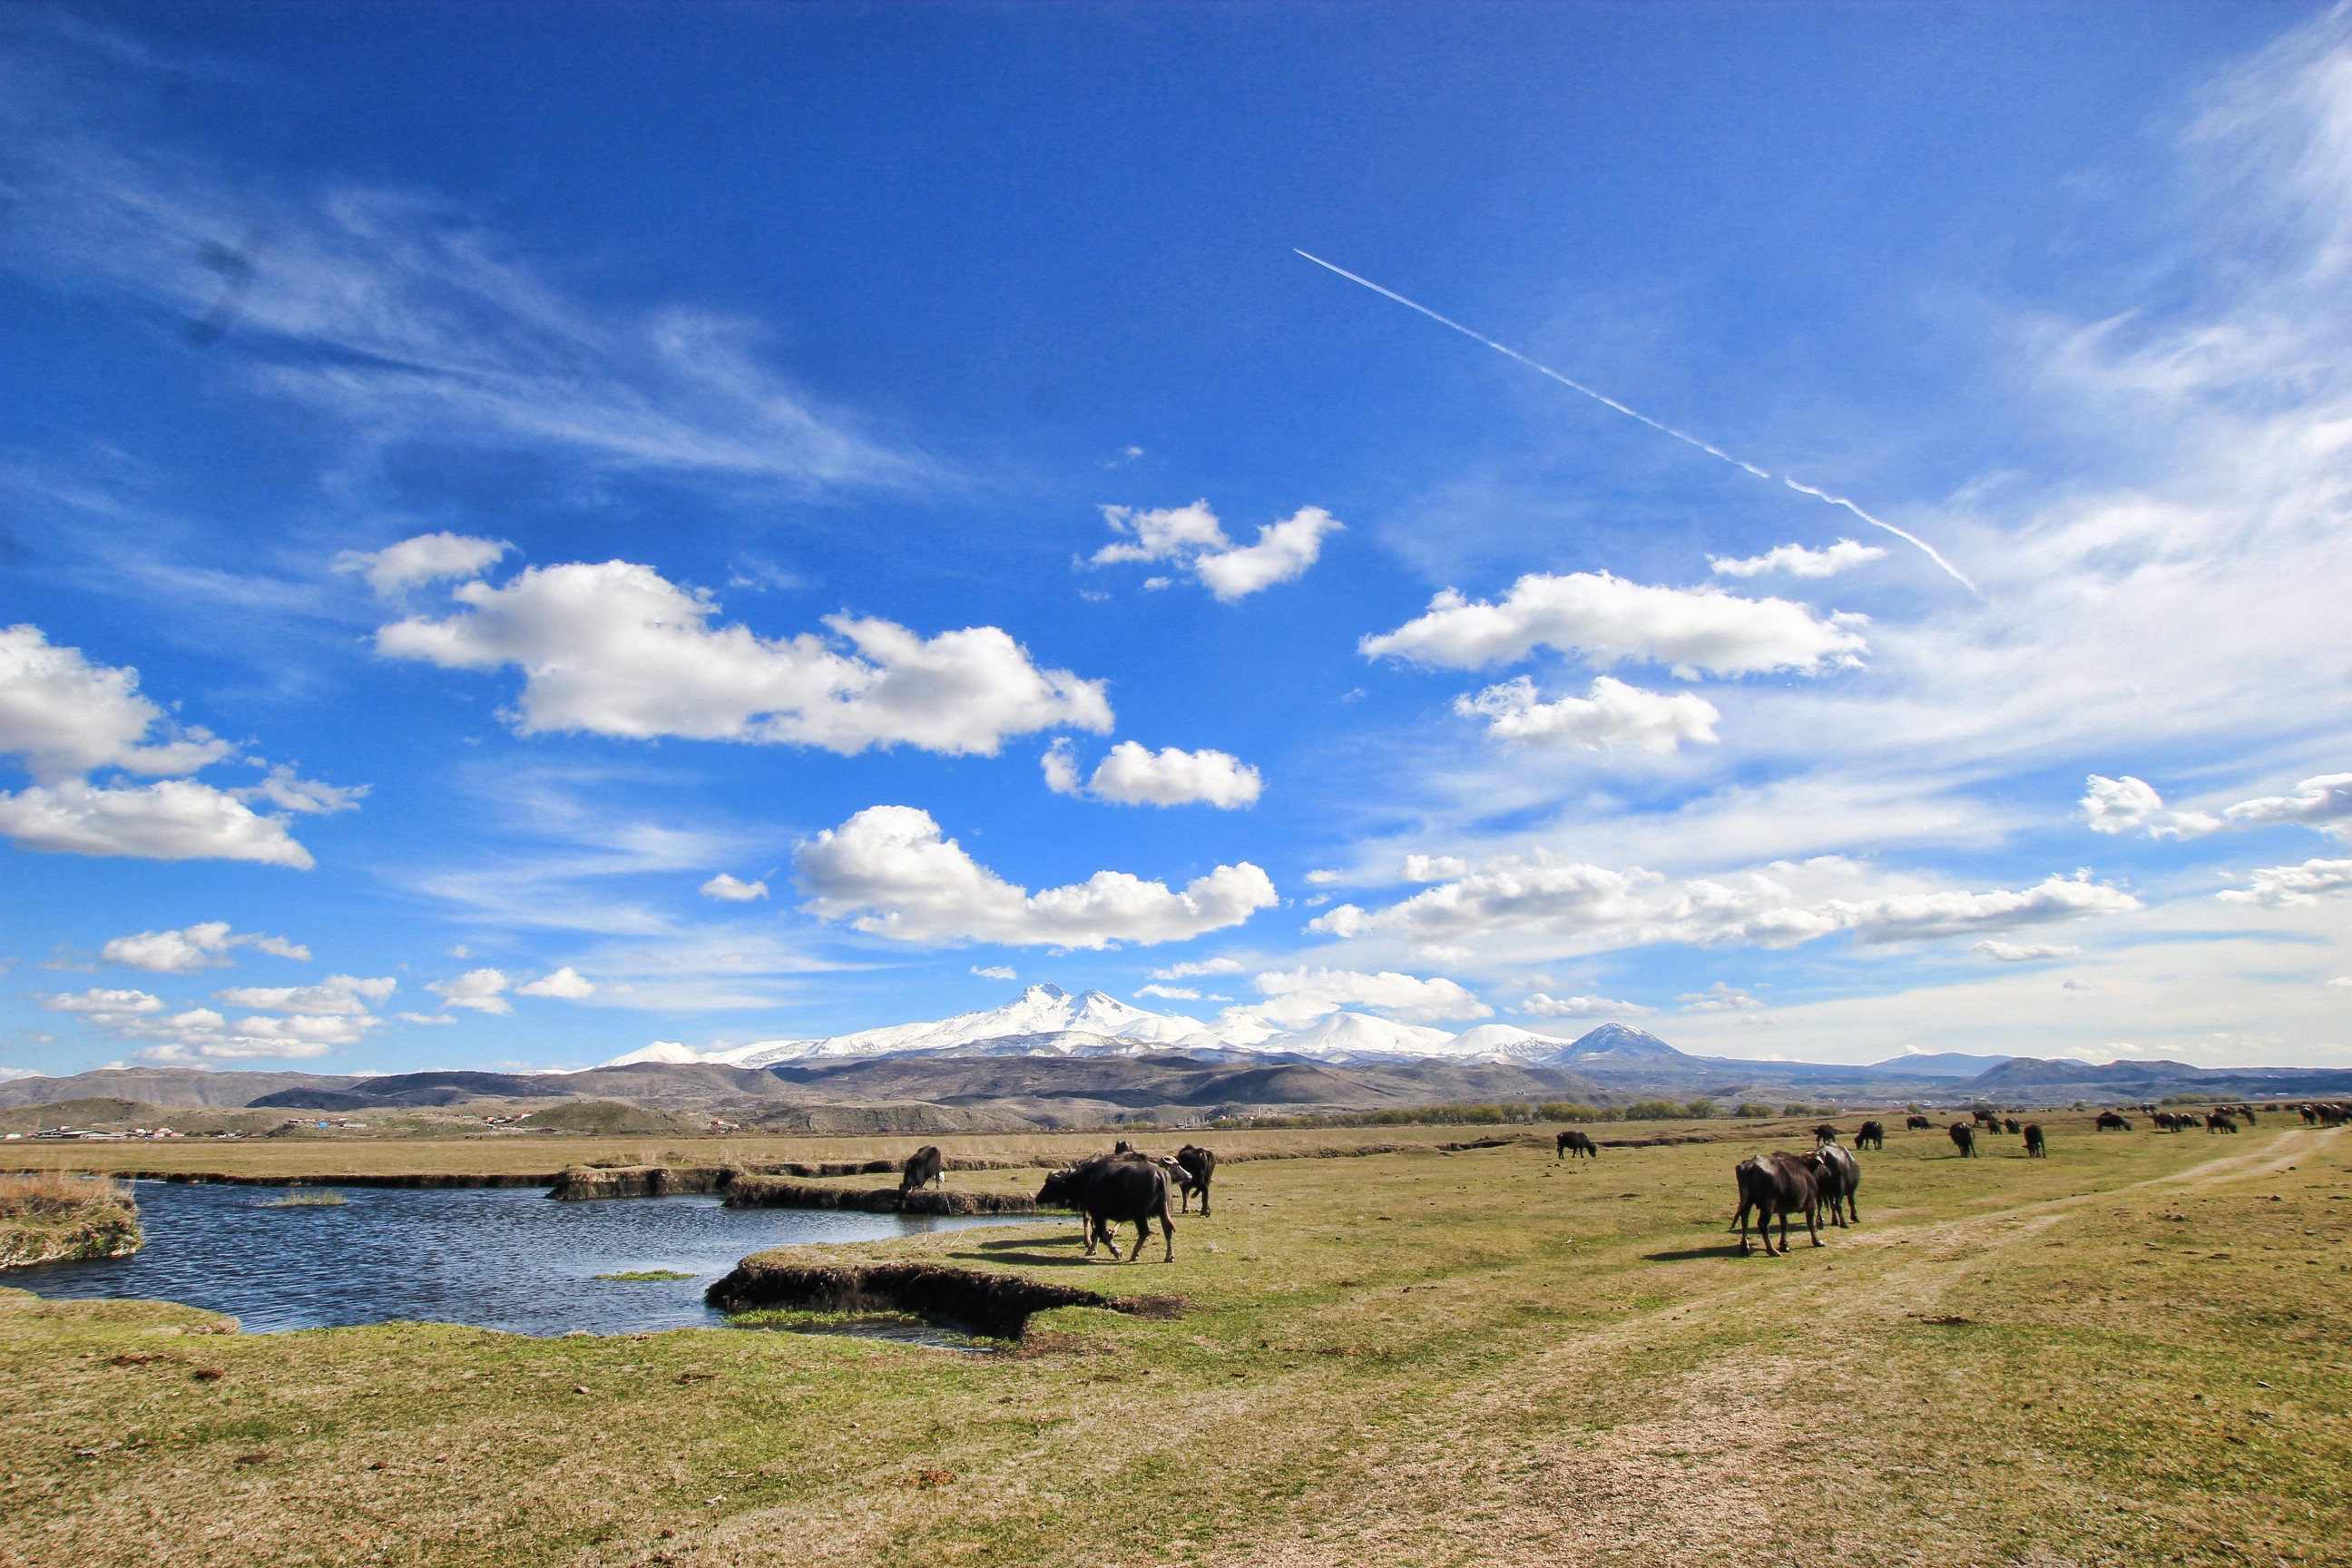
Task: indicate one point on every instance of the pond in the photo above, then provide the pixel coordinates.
(494, 1258)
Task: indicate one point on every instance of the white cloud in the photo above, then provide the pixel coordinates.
(1296, 998)
(63, 718)
(995, 971)
(1169, 993)
(2324, 803)
(1192, 537)
(1614, 714)
(101, 1002)
(1199, 968)
(1543, 895)
(2129, 804)
(2278, 887)
(427, 558)
(2024, 952)
(728, 889)
(1799, 562)
(1542, 1006)
(173, 819)
(477, 988)
(424, 1017)
(614, 648)
(889, 871)
(284, 789)
(1324, 879)
(1607, 619)
(337, 996)
(204, 945)
(1133, 776)
(566, 983)
(1433, 867)
(1718, 998)
(1284, 550)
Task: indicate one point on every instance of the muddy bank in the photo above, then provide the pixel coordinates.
(998, 1305)
(751, 1190)
(107, 1228)
(581, 1182)
(222, 1178)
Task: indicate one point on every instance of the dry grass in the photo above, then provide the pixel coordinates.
(2132, 1352)
(46, 1194)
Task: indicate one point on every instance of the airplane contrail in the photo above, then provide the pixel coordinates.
(1683, 435)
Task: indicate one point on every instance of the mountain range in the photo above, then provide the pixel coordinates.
(1049, 1058)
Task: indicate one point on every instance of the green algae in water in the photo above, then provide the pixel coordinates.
(640, 1276)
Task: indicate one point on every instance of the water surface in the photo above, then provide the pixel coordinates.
(495, 1258)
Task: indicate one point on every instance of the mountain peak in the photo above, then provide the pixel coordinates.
(1620, 1039)
(1045, 991)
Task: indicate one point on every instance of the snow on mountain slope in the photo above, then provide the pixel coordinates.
(1347, 1036)
(1047, 1021)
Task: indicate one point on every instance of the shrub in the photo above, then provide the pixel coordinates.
(1612, 1113)
(1699, 1110)
(1759, 1112)
(1654, 1110)
(1567, 1111)
(1787, 1110)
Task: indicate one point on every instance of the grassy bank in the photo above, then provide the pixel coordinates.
(52, 1217)
(2133, 1351)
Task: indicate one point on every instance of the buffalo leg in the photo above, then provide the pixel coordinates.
(1168, 1233)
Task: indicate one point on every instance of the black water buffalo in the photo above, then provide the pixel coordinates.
(2169, 1122)
(1825, 1134)
(1571, 1142)
(1114, 1189)
(1916, 1124)
(1872, 1136)
(2035, 1147)
(1964, 1138)
(1838, 1176)
(1198, 1165)
(1986, 1119)
(2220, 1121)
(925, 1167)
(2009, 1125)
(2113, 1121)
(1777, 1184)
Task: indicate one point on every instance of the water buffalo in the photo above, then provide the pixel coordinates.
(1114, 1189)
(2245, 1112)
(1780, 1185)
(1825, 1134)
(2009, 1125)
(1198, 1165)
(925, 1167)
(2220, 1121)
(1872, 1136)
(2035, 1147)
(1916, 1124)
(1838, 1175)
(2113, 1121)
(1964, 1138)
(1571, 1142)
(1986, 1119)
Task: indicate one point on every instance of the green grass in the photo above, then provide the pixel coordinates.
(328, 1199)
(646, 1274)
(1481, 1358)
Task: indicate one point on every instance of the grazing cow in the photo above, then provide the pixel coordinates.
(1838, 1175)
(2247, 1111)
(1825, 1134)
(1872, 1136)
(2113, 1121)
(2035, 1147)
(2219, 1121)
(1571, 1142)
(1780, 1185)
(1916, 1124)
(1111, 1190)
(1198, 1165)
(2009, 1125)
(1986, 1119)
(925, 1167)
(2166, 1120)
(1964, 1138)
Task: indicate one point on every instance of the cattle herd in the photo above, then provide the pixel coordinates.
(1127, 1186)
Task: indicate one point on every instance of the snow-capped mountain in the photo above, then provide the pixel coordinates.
(1047, 1021)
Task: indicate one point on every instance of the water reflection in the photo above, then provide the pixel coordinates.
(493, 1258)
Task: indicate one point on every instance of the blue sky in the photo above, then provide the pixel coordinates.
(895, 457)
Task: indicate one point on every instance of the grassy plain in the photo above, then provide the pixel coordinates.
(2135, 1351)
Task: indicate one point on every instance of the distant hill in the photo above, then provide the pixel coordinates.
(1940, 1063)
